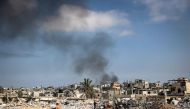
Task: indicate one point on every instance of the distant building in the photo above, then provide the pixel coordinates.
(181, 86)
(148, 92)
(155, 85)
(36, 94)
(115, 86)
(141, 84)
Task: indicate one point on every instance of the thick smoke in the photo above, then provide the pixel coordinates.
(88, 53)
(108, 78)
(17, 18)
(92, 59)
(22, 19)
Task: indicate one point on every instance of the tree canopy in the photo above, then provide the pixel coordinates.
(87, 87)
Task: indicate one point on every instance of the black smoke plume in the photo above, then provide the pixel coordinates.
(22, 19)
(88, 53)
(108, 78)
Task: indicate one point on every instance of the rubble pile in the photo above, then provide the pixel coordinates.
(130, 95)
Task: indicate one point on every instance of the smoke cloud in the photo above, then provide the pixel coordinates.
(108, 78)
(17, 17)
(88, 53)
(23, 19)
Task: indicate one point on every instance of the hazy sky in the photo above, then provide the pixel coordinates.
(58, 42)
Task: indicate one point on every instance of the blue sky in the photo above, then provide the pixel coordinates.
(65, 42)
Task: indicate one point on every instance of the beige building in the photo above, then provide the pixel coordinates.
(181, 86)
(141, 84)
(148, 92)
(115, 86)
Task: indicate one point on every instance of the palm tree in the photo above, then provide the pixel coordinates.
(87, 87)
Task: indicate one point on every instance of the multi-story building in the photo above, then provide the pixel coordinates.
(141, 84)
(115, 86)
(181, 86)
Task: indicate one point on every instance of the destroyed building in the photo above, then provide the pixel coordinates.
(180, 86)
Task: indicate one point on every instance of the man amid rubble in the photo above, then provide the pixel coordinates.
(95, 104)
(58, 106)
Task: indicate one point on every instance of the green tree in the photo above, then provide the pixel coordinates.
(87, 87)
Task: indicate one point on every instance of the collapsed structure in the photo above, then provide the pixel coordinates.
(137, 93)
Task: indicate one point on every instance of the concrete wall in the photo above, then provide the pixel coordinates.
(1, 101)
(187, 88)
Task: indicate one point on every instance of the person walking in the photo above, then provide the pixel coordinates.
(95, 104)
(58, 106)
